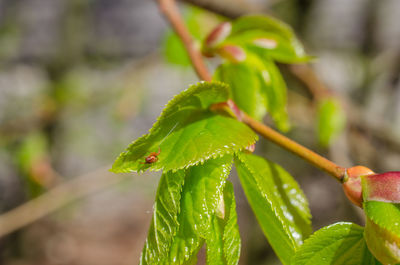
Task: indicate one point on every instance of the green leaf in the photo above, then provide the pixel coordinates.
(256, 86)
(270, 45)
(164, 223)
(198, 24)
(33, 152)
(278, 203)
(248, 30)
(331, 120)
(386, 215)
(262, 22)
(174, 51)
(382, 231)
(186, 202)
(245, 87)
(223, 241)
(337, 244)
(274, 88)
(200, 199)
(187, 133)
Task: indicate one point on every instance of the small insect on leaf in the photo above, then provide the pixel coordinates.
(152, 157)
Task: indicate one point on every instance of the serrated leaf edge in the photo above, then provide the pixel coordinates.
(273, 206)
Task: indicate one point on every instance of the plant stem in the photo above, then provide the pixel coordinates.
(57, 197)
(297, 149)
(171, 12)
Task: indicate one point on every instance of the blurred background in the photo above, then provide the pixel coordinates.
(80, 80)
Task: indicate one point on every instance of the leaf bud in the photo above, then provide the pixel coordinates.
(352, 183)
(218, 34)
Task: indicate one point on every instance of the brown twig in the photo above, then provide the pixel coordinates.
(297, 149)
(56, 198)
(169, 8)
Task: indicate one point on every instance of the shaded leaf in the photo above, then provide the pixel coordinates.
(274, 87)
(223, 241)
(337, 244)
(188, 133)
(331, 120)
(278, 203)
(198, 22)
(257, 86)
(245, 87)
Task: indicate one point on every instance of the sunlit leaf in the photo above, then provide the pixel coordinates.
(187, 133)
(186, 202)
(164, 224)
(278, 203)
(382, 231)
(337, 244)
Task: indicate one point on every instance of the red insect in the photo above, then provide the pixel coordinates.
(152, 157)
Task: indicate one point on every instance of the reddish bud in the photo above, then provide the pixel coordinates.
(352, 183)
(233, 53)
(265, 43)
(218, 34)
(228, 107)
(382, 187)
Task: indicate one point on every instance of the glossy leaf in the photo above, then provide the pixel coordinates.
(187, 133)
(382, 231)
(223, 241)
(331, 120)
(200, 199)
(337, 244)
(164, 223)
(186, 202)
(278, 203)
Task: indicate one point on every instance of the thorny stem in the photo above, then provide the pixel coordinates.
(171, 12)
